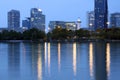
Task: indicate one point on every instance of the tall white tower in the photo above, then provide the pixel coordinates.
(78, 23)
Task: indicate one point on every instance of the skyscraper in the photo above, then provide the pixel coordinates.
(101, 14)
(115, 20)
(13, 20)
(37, 19)
(91, 20)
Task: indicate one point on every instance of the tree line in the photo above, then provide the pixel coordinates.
(61, 34)
(32, 34)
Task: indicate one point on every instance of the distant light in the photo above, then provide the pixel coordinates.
(74, 25)
(108, 23)
(40, 10)
(78, 20)
(90, 24)
(49, 28)
(59, 26)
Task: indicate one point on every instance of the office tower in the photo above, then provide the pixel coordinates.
(115, 20)
(62, 24)
(91, 20)
(26, 23)
(37, 19)
(13, 20)
(101, 14)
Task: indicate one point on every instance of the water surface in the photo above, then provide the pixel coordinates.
(60, 61)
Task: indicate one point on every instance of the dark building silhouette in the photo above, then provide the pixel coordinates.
(13, 20)
(100, 61)
(101, 14)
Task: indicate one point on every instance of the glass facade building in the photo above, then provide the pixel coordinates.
(115, 20)
(37, 19)
(63, 25)
(71, 26)
(13, 20)
(91, 20)
(56, 24)
(26, 23)
(101, 14)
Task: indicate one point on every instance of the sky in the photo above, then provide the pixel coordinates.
(61, 10)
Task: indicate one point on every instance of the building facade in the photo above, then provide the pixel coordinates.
(71, 26)
(37, 19)
(56, 24)
(101, 14)
(91, 20)
(115, 20)
(14, 20)
(63, 25)
(26, 23)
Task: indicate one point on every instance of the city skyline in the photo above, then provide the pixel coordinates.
(54, 10)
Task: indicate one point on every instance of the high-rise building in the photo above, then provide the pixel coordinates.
(26, 23)
(13, 20)
(101, 14)
(115, 20)
(91, 20)
(37, 19)
(63, 25)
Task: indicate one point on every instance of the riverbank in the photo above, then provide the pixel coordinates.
(55, 41)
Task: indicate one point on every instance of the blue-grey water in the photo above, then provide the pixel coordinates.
(60, 61)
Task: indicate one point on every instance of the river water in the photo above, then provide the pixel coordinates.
(60, 61)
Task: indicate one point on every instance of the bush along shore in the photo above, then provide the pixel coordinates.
(61, 35)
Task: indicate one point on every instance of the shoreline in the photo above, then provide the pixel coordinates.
(56, 41)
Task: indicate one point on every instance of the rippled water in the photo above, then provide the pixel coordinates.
(60, 61)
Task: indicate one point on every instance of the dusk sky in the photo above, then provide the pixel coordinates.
(62, 10)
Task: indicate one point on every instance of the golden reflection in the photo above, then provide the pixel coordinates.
(59, 56)
(45, 53)
(74, 58)
(49, 57)
(91, 63)
(39, 64)
(108, 59)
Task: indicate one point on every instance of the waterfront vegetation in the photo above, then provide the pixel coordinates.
(60, 34)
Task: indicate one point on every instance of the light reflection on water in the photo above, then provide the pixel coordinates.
(39, 63)
(74, 58)
(91, 60)
(49, 58)
(60, 61)
(108, 59)
(59, 56)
